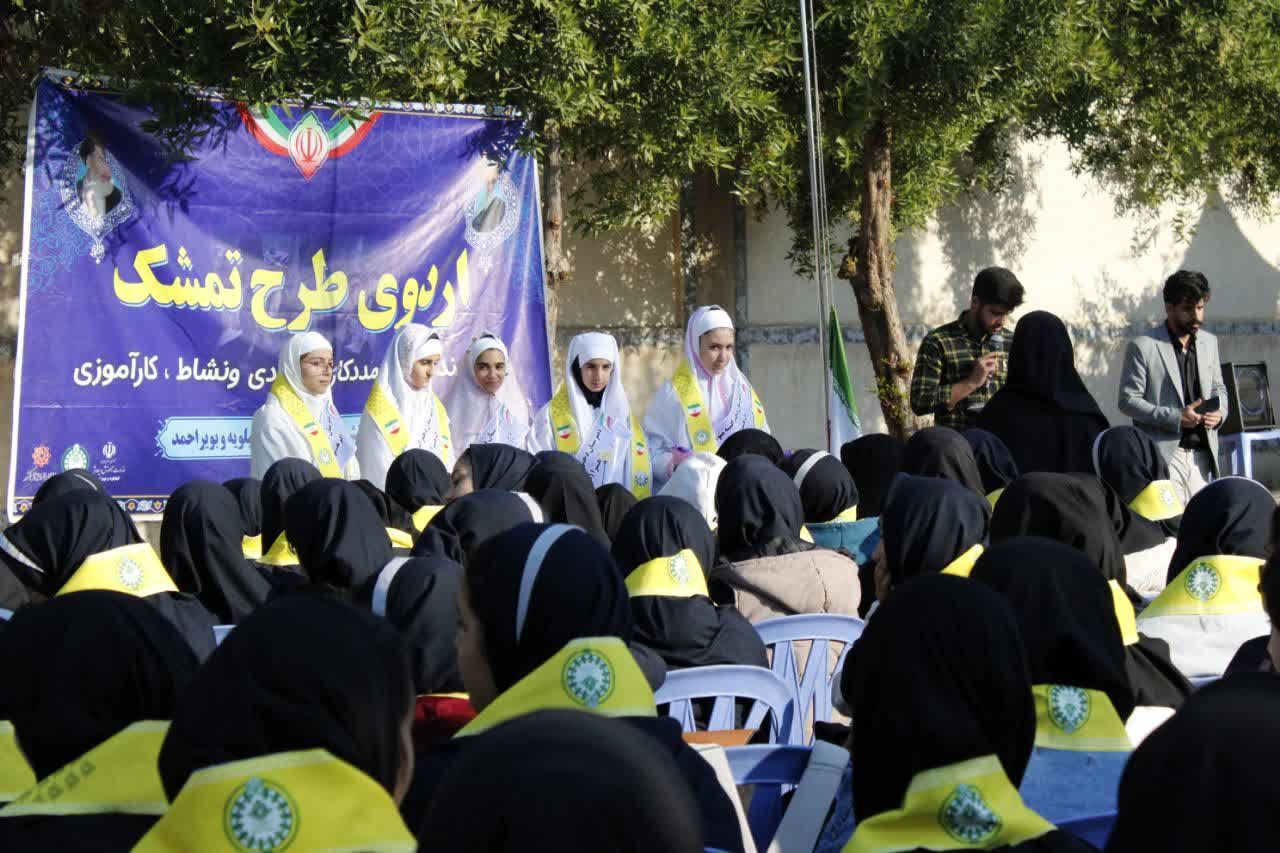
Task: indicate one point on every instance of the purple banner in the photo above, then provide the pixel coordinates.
(157, 291)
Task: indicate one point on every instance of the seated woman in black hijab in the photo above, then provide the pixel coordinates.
(395, 519)
(1200, 782)
(943, 453)
(755, 441)
(84, 540)
(544, 624)
(308, 697)
(873, 461)
(418, 481)
(1212, 604)
(995, 462)
(339, 537)
(90, 679)
(490, 466)
(944, 723)
(570, 764)
(614, 501)
(830, 500)
(248, 494)
(1073, 509)
(469, 521)
(664, 549)
(768, 569)
(1044, 413)
(929, 526)
(201, 544)
(1076, 658)
(74, 480)
(561, 486)
(282, 480)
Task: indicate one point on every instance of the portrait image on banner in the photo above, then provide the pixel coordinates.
(158, 289)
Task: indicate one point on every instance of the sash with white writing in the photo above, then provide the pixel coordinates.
(1078, 720)
(971, 805)
(131, 569)
(316, 435)
(596, 674)
(305, 800)
(382, 410)
(118, 775)
(697, 419)
(568, 440)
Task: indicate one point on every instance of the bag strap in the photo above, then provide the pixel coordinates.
(807, 813)
(714, 755)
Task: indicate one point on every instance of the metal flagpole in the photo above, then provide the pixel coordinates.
(817, 192)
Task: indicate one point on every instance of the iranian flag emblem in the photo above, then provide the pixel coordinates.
(308, 141)
(393, 426)
(564, 431)
(695, 410)
(311, 429)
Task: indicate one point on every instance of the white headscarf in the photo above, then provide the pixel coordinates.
(320, 406)
(417, 405)
(478, 417)
(614, 405)
(728, 394)
(695, 481)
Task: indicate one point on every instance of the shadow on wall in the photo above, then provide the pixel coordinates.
(1246, 284)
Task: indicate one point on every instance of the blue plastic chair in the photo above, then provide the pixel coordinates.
(774, 771)
(812, 687)
(725, 684)
(1095, 829)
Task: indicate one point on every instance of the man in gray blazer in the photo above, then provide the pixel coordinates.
(1169, 372)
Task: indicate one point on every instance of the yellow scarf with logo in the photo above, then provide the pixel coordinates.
(697, 420)
(15, 773)
(679, 575)
(1158, 501)
(317, 439)
(971, 805)
(131, 569)
(305, 800)
(569, 440)
(381, 409)
(962, 566)
(1215, 585)
(118, 775)
(280, 553)
(1078, 720)
(596, 674)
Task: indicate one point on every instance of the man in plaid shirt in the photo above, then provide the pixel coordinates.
(961, 365)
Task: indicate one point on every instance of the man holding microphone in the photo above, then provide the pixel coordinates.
(961, 365)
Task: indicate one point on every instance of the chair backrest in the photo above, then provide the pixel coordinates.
(726, 684)
(1095, 829)
(774, 771)
(812, 686)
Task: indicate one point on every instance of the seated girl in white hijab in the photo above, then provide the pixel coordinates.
(485, 399)
(299, 419)
(402, 411)
(707, 400)
(590, 418)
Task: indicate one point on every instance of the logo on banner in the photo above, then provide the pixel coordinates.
(40, 457)
(308, 142)
(75, 456)
(109, 451)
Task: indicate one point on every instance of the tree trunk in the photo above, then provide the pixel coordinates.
(869, 268)
(557, 266)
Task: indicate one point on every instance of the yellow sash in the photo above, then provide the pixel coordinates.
(118, 775)
(966, 806)
(1124, 613)
(1158, 501)
(399, 539)
(423, 515)
(305, 800)
(596, 674)
(1213, 585)
(317, 438)
(251, 547)
(281, 553)
(382, 410)
(850, 514)
(697, 420)
(962, 566)
(679, 575)
(15, 772)
(994, 497)
(131, 569)
(1079, 720)
(568, 440)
